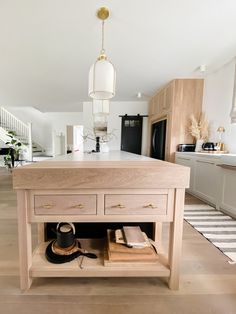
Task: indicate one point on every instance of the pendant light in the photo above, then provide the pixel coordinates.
(102, 74)
(100, 116)
(101, 107)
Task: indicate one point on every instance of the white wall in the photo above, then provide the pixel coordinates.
(114, 122)
(217, 104)
(59, 120)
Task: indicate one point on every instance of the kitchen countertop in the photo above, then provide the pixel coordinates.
(228, 159)
(97, 169)
(115, 155)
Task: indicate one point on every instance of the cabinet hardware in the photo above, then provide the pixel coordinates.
(119, 206)
(183, 158)
(48, 206)
(205, 162)
(225, 166)
(80, 206)
(150, 206)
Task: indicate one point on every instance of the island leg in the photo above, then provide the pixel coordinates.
(157, 232)
(25, 240)
(175, 244)
(41, 232)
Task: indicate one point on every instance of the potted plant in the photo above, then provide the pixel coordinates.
(14, 148)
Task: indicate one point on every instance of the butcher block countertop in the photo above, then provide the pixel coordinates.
(100, 170)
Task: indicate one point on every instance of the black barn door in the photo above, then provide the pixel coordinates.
(131, 134)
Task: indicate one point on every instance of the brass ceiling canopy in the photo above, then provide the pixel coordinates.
(103, 13)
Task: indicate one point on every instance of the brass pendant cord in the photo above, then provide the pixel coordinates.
(102, 50)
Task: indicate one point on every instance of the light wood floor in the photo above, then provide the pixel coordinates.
(207, 283)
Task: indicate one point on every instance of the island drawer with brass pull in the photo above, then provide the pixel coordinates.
(78, 204)
(131, 204)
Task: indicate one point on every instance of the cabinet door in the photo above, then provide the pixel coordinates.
(206, 180)
(169, 92)
(188, 162)
(156, 104)
(228, 195)
(151, 107)
(162, 101)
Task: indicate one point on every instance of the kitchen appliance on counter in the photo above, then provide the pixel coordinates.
(208, 146)
(186, 147)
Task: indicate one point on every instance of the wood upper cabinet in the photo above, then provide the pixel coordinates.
(176, 102)
(161, 102)
(169, 92)
(151, 110)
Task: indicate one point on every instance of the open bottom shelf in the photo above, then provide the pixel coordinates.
(86, 267)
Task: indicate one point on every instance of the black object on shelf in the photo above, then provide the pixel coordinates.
(65, 234)
(59, 259)
(97, 144)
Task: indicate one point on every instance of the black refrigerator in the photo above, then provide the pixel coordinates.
(158, 140)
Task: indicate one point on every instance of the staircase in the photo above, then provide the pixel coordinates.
(8, 122)
(37, 149)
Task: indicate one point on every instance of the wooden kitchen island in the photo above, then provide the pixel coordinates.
(111, 187)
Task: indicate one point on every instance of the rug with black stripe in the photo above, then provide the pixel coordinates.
(214, 225)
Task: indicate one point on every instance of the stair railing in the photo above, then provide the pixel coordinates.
(10, 123)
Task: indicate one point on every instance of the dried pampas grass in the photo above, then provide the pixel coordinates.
(199, 128)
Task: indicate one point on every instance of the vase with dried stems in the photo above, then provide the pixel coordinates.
(199, 129)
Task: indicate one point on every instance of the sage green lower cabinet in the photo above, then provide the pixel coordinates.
(227, 198)
(212, 178)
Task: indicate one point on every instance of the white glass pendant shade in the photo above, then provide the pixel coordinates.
(102, 80)
(100, 106)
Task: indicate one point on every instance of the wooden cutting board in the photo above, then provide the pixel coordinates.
(121, 252)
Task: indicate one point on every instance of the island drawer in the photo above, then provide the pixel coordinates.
(150, 204)
(78, 204)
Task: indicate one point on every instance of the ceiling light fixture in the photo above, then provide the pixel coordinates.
(203, 68)
(102, 74)
(101, 107)
(142, 96)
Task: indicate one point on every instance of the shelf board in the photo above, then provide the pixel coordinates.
(86, 267)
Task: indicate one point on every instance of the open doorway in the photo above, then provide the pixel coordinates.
(74, 138)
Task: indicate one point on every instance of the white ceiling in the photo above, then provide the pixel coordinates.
(47, 46)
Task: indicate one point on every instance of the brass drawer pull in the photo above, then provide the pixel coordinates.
(80, 206)
(119, 206)
(150, 206)
(48, 206)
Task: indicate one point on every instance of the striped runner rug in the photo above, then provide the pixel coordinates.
(214, 225)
